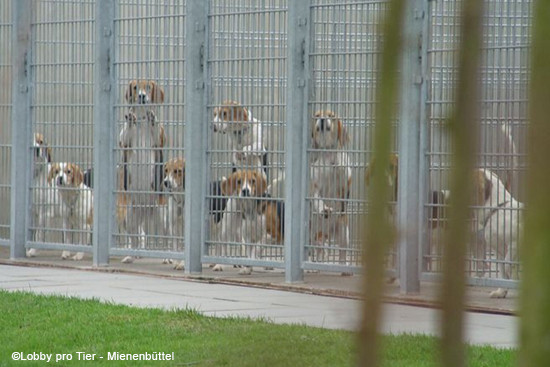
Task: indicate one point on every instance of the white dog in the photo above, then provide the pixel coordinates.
(500, 218)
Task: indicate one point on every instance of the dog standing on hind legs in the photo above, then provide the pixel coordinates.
(330, 185)
(142, 140)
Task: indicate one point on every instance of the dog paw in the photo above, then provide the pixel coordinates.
(127, 260)
(65, 255)
(179, 266)
(217, 267)
(31, 252)
(499, 293)
(79, 256)
(247, 270)
(346, 274)
(167, 261)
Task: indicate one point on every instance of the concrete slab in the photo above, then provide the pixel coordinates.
(222, 300)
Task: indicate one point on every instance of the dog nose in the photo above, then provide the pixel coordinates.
(59, 180)
(322, 124)
(245, 193)
(166, 183)
(37, 152)
(142, 98)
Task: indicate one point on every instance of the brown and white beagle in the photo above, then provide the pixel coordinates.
(76, 205)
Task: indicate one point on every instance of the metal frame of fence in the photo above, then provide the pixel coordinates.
(71, 65)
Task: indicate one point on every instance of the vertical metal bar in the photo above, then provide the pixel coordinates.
(103, 131)
(409, 195)
(21, 126)
(195, 141)
(296, 171)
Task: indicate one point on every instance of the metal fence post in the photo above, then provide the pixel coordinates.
(195, 139)
(411, 193)
(21, 127)
(103, 132)
(297, 171)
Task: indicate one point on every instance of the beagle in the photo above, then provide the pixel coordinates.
(142, 141)
(273, 212)
(330, 184)
(174, 183)
(245, 188)
(76, 205)
(500, 218)
(45, 206)
(142, 93)
(245, 133)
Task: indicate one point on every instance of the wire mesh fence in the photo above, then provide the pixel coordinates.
(245, 84)
(496, 221)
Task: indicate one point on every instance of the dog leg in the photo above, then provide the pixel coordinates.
(79, 256)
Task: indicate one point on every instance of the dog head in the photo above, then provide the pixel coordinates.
(65, 175)
(328, 131)
(42, 152)
(245, 183)
(144, 92)
(231, 117)
(174, 175)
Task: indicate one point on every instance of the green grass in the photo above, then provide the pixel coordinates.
(31, 323)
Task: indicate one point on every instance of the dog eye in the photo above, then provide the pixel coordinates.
(179, 172)
(68, 171)
(238, 181)
(253, 181)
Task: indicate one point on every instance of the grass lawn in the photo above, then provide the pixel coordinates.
(52, 325)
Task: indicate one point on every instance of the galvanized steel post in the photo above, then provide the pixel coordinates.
(195, 140)
(21, 164)
(103, 132)
(412, 143)
(297, 171)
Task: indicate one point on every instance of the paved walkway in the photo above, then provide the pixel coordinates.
(232, 300)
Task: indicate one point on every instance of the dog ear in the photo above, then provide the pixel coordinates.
(246, 115)
(183, 174)
(157, 93)
(130, 91)
(53, 171)
(78, 176)
(227, 185)
(313, 143)
(49, 154)
(261, 183)
(162, 137)
(343, 136)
